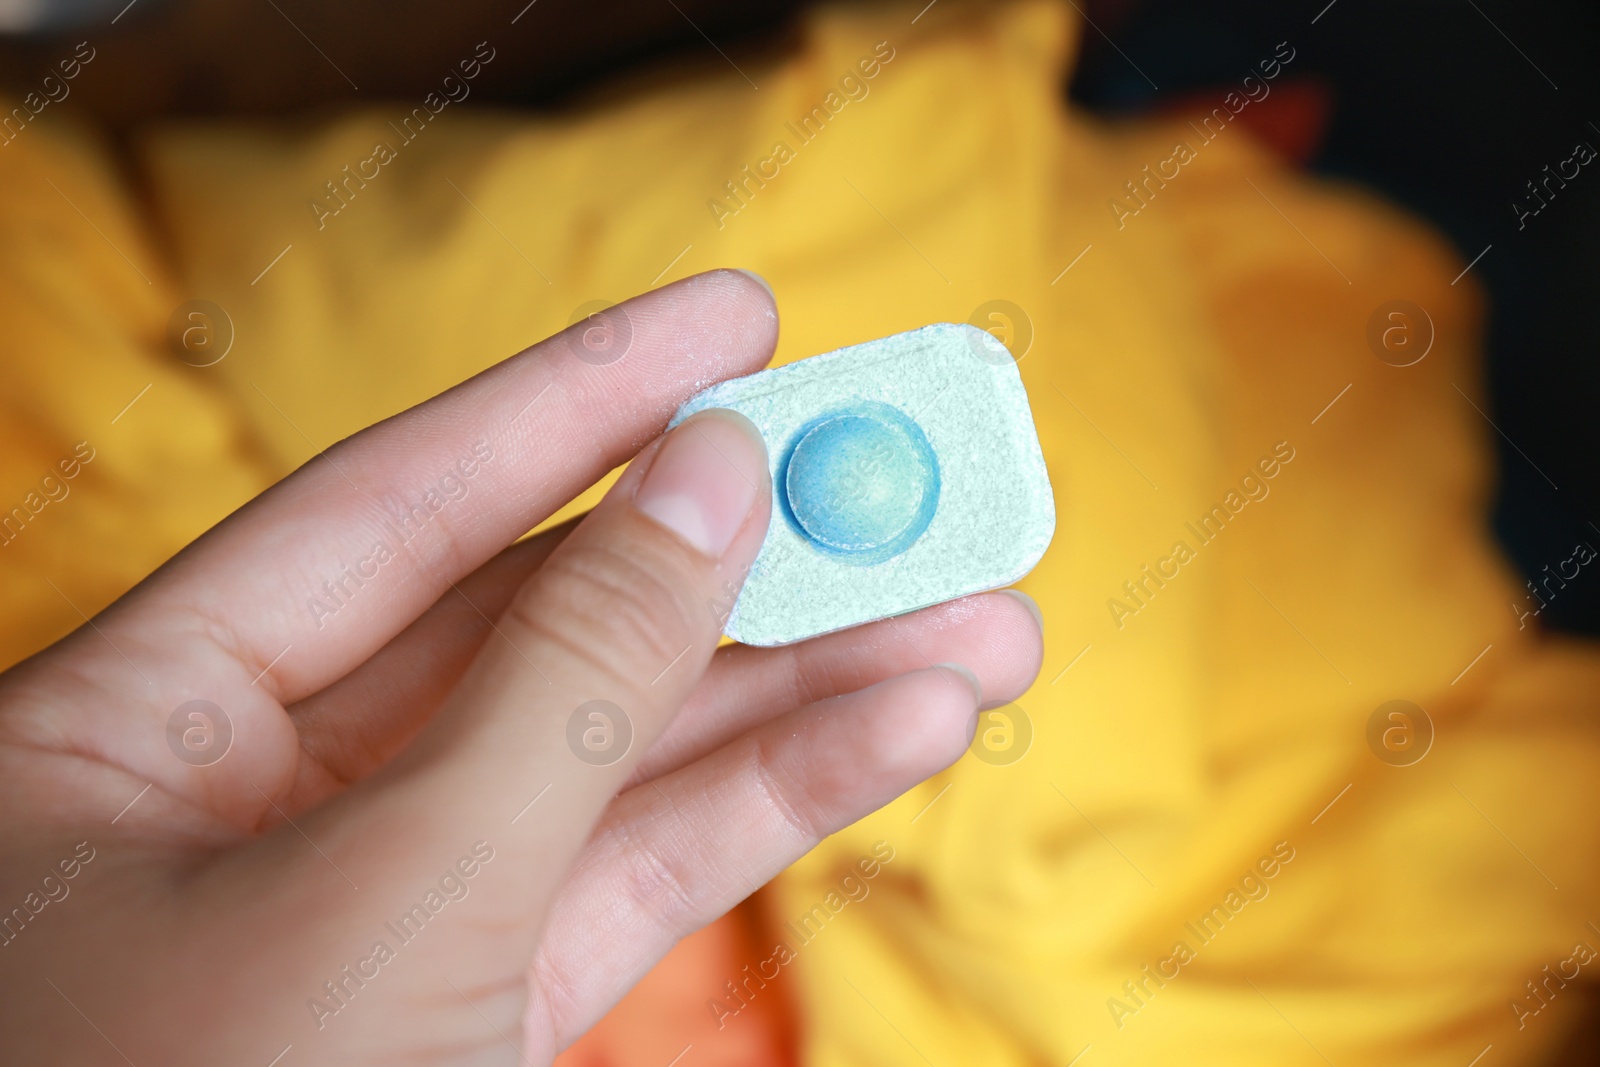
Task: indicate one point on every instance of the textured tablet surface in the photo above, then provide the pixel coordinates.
(905, 472)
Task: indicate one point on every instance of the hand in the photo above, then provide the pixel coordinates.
(450, 799)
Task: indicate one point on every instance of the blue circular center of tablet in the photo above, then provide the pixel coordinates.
(862, 483)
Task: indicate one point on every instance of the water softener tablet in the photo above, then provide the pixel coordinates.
(905, 472)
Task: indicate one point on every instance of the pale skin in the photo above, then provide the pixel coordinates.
(408, 733)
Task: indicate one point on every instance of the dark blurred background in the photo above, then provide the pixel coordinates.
(1449, 107)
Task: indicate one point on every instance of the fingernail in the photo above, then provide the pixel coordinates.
(759, 280)
(1028, 602)
(965, 675)
(705, 479)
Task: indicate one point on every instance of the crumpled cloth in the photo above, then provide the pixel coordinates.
(1214, 727)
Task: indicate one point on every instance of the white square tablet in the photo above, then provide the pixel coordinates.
(905, 472)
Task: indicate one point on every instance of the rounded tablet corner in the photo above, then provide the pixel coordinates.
(685, 409)
(984, 345)
(1023, 568)
(1049, 529)
(1032, 560)
(970, 333)
(733, 633)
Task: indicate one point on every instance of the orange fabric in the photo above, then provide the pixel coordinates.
(665, 1016)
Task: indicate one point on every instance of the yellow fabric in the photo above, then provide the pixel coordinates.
(1171, 754)
(85, 295)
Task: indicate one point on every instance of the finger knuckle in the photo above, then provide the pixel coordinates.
(624, 613)
(790, 800)
(662, 880)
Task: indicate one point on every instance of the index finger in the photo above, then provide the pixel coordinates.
(318, 573)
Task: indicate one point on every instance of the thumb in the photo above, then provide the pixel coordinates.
(596, 652)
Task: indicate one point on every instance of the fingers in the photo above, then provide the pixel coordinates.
(318, 573)
(354, 726)
(677, 852)
(613, 631)
(994, 635)
(350, 728)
